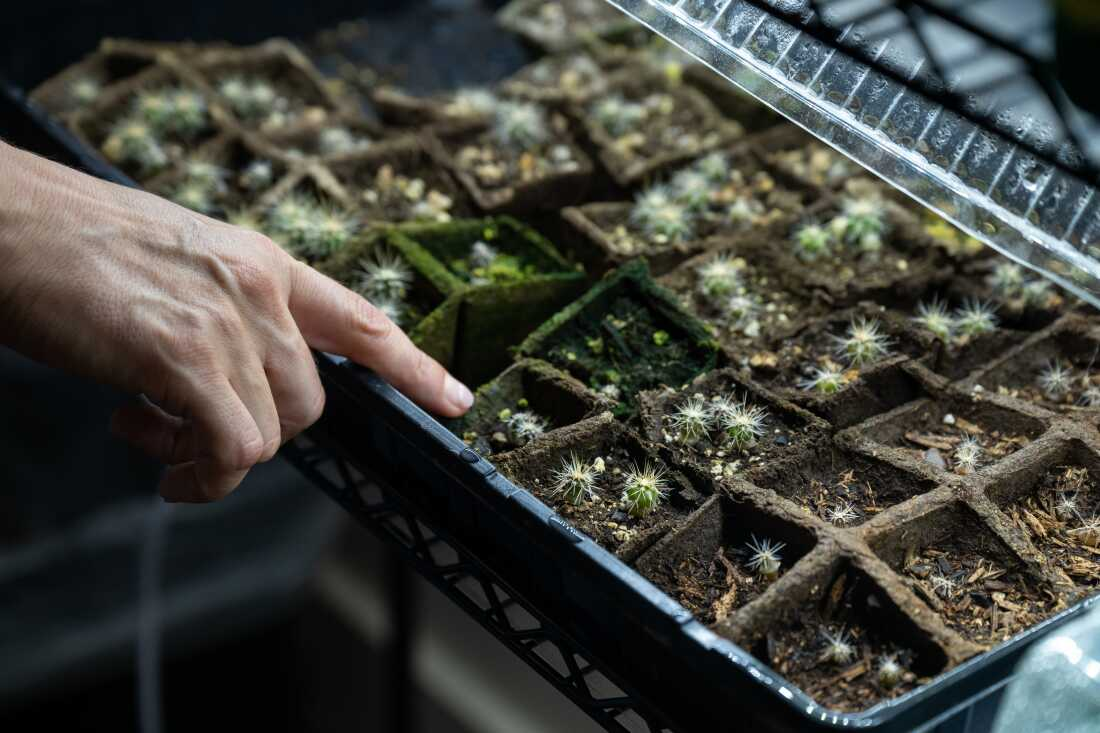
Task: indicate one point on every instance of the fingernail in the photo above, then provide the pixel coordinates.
(457, 394)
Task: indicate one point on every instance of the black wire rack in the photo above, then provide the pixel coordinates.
(958, 103)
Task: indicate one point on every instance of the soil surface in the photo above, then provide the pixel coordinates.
(494, 166)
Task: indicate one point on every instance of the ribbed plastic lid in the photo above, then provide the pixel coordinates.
(954, 103)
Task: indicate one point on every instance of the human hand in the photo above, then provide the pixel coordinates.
(211, 323)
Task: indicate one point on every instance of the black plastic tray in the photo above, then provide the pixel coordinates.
(409, 479)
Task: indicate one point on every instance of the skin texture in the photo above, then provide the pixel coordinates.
(209, 323)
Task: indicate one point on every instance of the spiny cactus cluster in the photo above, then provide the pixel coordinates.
(252, 98)
(661, 217)
(1058, 382)
(577, 481)
(1014, 286)
(739, 423)
(973, 318)
(139, 137)
(860, 226)
(305, 226)
(202, 184)
(132, 141)
(520, 125)
(339, 140)
(968, 453)
(384, 280)
(863, 343)
(617, 115)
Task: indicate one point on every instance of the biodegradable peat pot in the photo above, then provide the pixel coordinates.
(309, 102)
(611, 232)
(784, 428)
(672, 125)
(444, 112)
(397, 180)
(504, 299)
(110, 124)
(503, 179)
(249, 174)
(623, 336)
(529, 385)
(574, 77)
(604, 516)
(563, 25)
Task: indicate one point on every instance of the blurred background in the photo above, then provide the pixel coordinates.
(269, 608)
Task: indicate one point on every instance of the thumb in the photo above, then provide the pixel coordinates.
(334, 319)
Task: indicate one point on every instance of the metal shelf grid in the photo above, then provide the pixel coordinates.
(956, 103)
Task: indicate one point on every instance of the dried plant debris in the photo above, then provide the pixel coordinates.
(712, 197)
(1061, 516)
(978, 587)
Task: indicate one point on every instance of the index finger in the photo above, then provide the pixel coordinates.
(334, 319)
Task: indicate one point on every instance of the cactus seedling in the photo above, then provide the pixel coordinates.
(715, 167)
(864, 342)
(644, 489)
(933, 317)
(744, 210)
(967, 454)
(520, 125)
(890, 672)
(975, 317)
(251, 98)
(1089, 532)
(1007, 278)
(525, 426)
(472, 102)
(257, 175)
(84, 91)
(617, 116)
(206, 174)
(482, 254)
(132, 140)
(765, 558)
(692, 420)
(742, 423)
(824, 380)
(188, 113)
(864, 222)
(838, 647)
(194, 196)
(384, 276)
(575, 481)
(662, 219)
(692, 189)
(942, 585)
(719, 278)
(842, 513)
(812, 241)
(1055, 380)
(332, 230)
(1066, 506)
(1090, 397)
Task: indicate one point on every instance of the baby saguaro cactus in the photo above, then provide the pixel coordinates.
(715, 167)
(133, 141)
(967, 455)
(890, 672)
(643, 489)
(384, 276)
(842, 513)
(975, 317)
(719, 277)
(1055, 380)
(824, 380)
(84, 91)
(692, 188)
(525, 426)
(764, 557)
(839, 649)
(472, 102)
(692, 421)
(742, 423)
(305, 226)
(934, 318)
(520, 125)
(617, 116)
(251, 98)
(194, 196)
(575, 481)
(862, 223)
(863, 343)
(257, 175)
(812, 241)
(661, 218)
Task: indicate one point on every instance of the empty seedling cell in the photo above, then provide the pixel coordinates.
(624, 336)
(838, 645)
(726, 555)
(529, 395)
(725, 426)
(1056, 504)
(954, 434)
(962, 570)
(1058, 369)
(840, 486)
(604, 482)
(398, 181)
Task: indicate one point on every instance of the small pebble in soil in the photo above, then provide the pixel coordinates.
(949, 419)
(933, 457)
(782, 440)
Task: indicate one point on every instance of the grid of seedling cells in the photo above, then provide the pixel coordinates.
(835, 429)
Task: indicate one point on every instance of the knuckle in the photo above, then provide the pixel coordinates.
(255, 279)
(370, 322)
(240, 454)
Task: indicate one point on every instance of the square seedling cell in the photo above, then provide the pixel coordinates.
(724, 425)
(443, 112)
(1055, 503)
(528, 399)
(724, 195)
(305, 215)
(836, 638)
(1024, 300)
(644, 125)
(559, 79)
(623, 336)
(947, 433)
(149, 122)
(739, 291)
(563, 25)
(840, 486)
(605, 482)
(859, 244)
(269, 88)
(81, 85)
(224, 178)
(333, 140)
(845, 367)
(513, 279)
(524, 161)
(398, 181)
(726, 555)
(961, 569)
(1057, 369)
